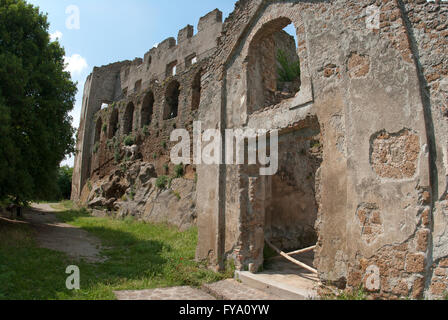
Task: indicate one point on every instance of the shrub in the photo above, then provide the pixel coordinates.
(162, 182)
(146, 130)
(179, 171)
(117, 156)
(104, 128)
(164, 145)
(288, 70)
(177, 194)
(96, 147)
(166, 167)
(132, 193)
(129, 140)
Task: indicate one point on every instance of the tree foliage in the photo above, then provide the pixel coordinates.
(64, 181)
(289, 70)
(36, 96)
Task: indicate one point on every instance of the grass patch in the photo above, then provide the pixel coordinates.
(63, 205)
(141, 256)
(356, 295)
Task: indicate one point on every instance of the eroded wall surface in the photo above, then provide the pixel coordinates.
(363, 143)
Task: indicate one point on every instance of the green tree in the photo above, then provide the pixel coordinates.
(288, 71)
(36, 96)
(65, 174)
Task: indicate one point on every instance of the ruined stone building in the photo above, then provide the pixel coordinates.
(363, 138)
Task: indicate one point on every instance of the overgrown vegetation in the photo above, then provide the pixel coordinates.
(359, 294)
(36, 97)
(140, 256)
(96, 147)
(146, 130)
(179, 171)
(64, 182)
(288, 71)
(129, 140)
(162, 182)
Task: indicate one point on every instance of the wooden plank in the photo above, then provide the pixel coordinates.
(284, 255)
(301, 251)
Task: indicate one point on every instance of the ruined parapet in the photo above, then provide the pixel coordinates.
(171, 57)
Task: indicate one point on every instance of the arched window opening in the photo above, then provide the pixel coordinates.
(113, 124)
(128, 119)
(147, 109)
(273, 65)
(196, 91)
(172, 101)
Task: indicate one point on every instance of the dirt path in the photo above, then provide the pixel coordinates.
(54, 235)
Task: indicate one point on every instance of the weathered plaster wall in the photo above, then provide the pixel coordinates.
(363, 92)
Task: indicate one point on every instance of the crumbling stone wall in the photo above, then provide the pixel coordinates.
(374, 98)
(138, 111)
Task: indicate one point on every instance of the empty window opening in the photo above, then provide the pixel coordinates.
(128, 119)
(273, 65)
(104, 106)
(113, 124)
(98, 129)
(125, 92)
(171, 69)
(191, 60)
(147, 109)
(196, 91)
(171, 100)
(138, 86)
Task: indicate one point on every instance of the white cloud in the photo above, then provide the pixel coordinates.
(75, 64)
(57, 35)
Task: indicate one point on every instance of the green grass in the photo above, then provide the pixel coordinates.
(141, 256)
(356, 295)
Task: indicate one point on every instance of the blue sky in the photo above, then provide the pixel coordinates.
(115, 30)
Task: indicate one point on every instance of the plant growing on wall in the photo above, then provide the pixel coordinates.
(96, 147)
(162, 182)
(129, 140)
(288, 71)
(146, 130)
(179, 171)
